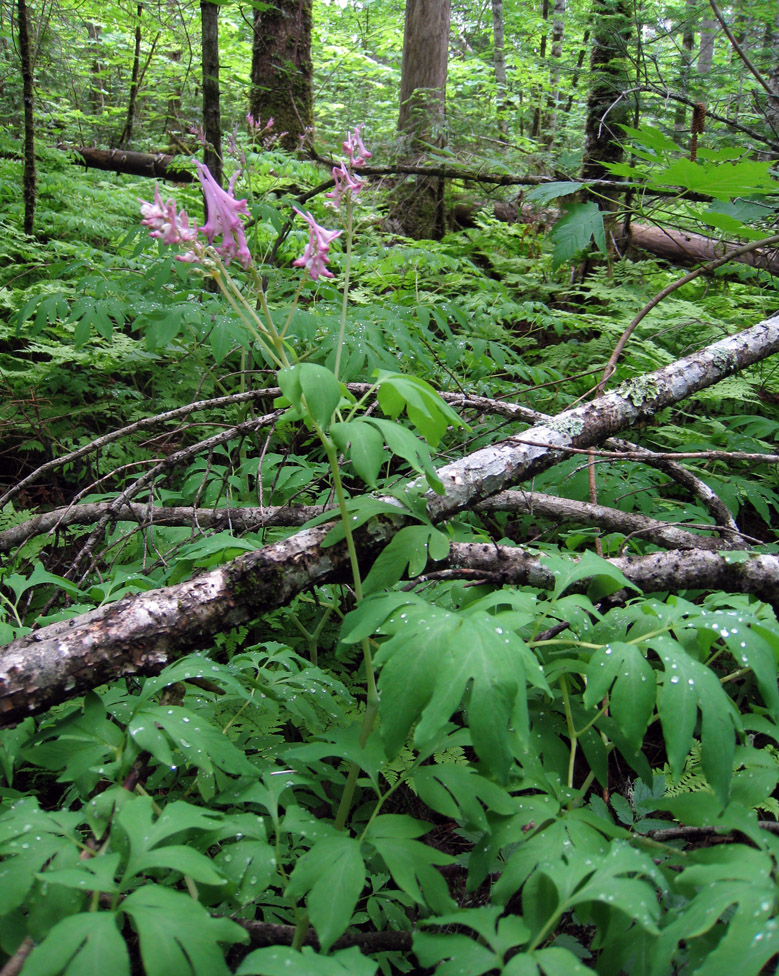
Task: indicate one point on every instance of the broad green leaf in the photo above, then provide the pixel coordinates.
(177, 935)
(460, 793)
(433, 657)
(719, 180)
(404, 444)
(650, 137)
(623, 669)
(545, 192)
(688, 685)
(281, 961)
(568, 571)
(321, 390)
(412, 866)
(249, 865)
(573, 232)
(364, 446)
(94, 874)
(453, 954)
(81, 945)
(332, 874)
(410, 547)
(179, 858)
(425, 408)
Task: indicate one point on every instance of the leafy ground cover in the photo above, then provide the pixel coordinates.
(418, 765)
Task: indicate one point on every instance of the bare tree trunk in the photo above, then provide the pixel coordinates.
(577, 70)
(688, 41)
(143, 633)
(558, 29)
(706, 48)
(126, 137)
(535, 129)
(29, 179)
(212, 121)
(418, 204)
(95, 69)
(282, 71)
(499, 60)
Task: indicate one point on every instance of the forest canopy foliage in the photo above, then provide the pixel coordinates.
(372, 602)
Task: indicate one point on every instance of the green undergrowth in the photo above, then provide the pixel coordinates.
(533, 743)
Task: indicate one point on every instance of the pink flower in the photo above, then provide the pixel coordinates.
(223, 209)
(165, 222)
(355, 147)
(316, 254)
(345, 182)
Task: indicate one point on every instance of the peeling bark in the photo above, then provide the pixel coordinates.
(143, 633)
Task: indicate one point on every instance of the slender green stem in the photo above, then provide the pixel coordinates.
(571, 730)
(347, 275)
(301, 931)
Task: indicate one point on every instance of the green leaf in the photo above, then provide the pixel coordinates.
(404, 444)
(622, 668)
(332, 874)
(409, 547)
(81, 945)
(545, 192)
(281, 961)
(364, 446)
(425, 408)
(588, 565)
(573, 232)
(321, 390)
(744, 178)
(687, 686)
(178, 937)
(432, 658)
(460, 793)
(411, 863)
(249, 866)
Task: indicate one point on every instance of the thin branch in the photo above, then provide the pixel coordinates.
(740, 51)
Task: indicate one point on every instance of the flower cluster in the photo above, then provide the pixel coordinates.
(223, 209)
(173, 227)
(346, 181)
(165, 222)
(316, 254)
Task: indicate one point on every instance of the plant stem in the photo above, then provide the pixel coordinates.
(347, 275)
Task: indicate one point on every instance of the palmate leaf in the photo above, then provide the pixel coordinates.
(622, 668)
(434, 657)
(281, 961)
(573, 232)
(83, 944)
(410, 547)
(731, 881)
(332, 874)
(425, 408)
(178, 937)
(412, 864)
(687, 687)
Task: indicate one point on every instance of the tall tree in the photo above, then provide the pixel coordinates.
(555, 96)
(29, 181)
(126, 137)
(499, 60)
(282, 70)
(607, 105)
(212, 121)
(706, 49)
(422, 117)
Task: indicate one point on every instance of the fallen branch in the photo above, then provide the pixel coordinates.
(141, 634)
(255, 518)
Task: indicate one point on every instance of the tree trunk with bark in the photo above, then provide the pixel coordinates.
(96, 95)
(29, 177)
(555, 96)
(535, 129)
(418, 205)
(126, 137)
(282, 71)
(499, 61)
(212, 120)
(143, 633)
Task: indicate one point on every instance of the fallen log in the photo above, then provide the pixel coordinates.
(143, 633)
(685, 248)
(160, 166)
